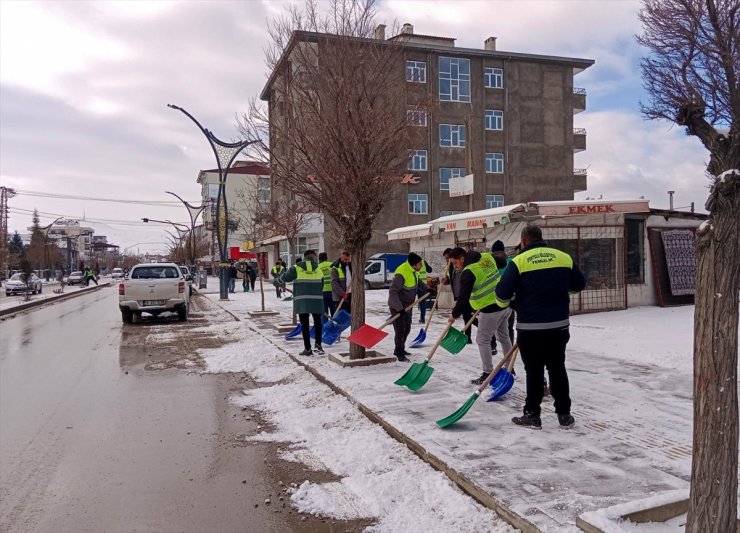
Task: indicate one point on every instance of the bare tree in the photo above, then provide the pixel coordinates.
(337, 124)
(691, 74)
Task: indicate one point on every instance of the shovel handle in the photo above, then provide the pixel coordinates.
(501, 363)
(434, 308)
(411, 306)
(511, 362)
(439, 341)
(341, 303)
(470, 322)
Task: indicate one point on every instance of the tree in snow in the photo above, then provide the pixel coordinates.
(691, 73)
(336, 123)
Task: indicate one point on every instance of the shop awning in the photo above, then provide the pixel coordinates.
(485, 218)
(410, 232)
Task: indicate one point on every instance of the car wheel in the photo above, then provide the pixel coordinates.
(182, 313)
(127, 316)
(367, 286)
(7, 293)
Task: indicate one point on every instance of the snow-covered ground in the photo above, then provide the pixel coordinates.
(630, 374)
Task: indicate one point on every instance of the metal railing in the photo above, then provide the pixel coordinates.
(579, 90)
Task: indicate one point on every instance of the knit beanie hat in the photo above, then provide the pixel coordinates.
(498, 246)
(414, 259)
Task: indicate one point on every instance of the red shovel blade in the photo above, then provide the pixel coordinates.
(367, 336)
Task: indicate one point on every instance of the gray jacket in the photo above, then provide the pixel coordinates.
(399, 296)
(339, 285)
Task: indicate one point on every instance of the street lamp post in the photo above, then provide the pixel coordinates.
(194, 212)
(181, 229)
(45, 233)
(225, 155)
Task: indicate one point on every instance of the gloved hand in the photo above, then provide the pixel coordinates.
(345, 296)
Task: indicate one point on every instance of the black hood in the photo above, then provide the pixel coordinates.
(471, 257)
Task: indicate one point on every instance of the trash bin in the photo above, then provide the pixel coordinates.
(202, 279)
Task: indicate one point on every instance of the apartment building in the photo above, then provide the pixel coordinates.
(506, 118)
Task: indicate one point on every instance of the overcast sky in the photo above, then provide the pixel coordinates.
(84, 88)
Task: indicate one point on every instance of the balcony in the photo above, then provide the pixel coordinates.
(579, 140)
(580, 179)
(579, 100)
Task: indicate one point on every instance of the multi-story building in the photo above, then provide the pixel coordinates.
(74, 239)
(504, 117)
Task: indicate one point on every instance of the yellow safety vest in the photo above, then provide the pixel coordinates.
(486, 278)
(325, 267)
(410, 276)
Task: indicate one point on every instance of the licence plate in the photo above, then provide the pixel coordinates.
(153, 302)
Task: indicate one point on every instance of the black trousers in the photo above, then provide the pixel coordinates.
(401, 330)
(329, 306)
(540, 349)
(305, 329)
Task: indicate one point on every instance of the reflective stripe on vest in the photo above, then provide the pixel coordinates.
(486, 278)
(325, 267)
(541, 258)
(410, 276)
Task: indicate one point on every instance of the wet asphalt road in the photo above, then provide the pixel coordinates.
(90, 440)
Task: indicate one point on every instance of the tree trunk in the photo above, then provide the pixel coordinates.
(713, 501)
(358, 297)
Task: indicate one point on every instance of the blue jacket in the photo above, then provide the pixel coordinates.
(541, 278)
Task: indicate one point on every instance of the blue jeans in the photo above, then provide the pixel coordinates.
(232, 284)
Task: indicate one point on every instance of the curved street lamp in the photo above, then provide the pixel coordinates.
(194, 212)
(225, 154)
(45, 232)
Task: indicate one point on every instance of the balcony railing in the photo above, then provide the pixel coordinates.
(580, 172)
(579, 131)
(579, 90)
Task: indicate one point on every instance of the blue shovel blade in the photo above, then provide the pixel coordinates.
(420, 338)
(294, 333)
(501, 386)
(335, 326)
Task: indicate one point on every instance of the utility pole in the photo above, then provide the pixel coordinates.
(6, 193)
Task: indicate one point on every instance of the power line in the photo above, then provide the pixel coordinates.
(58, 196)
(109, 221)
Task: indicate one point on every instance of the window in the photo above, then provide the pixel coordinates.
(213, 190)
(494, 119)
(454, 79)
(416, 116)
(494, 163)
(418, 204)
(373, 268)
(494, 77)
(446, 173)
(452, 135)
(416, 71)
(263, 183)
(635, 250)
(419, 160)
(263, 196)
(494, 200)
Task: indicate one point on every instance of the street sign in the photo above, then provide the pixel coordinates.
(461, 186)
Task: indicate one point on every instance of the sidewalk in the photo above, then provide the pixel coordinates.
(631, 385)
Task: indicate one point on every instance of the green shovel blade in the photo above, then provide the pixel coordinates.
(455, 341)
(457, 415)
(410, 374)
(422, 378)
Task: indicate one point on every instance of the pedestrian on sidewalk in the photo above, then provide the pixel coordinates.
(402, 293)
(90, 276)
(276, 271)
(341, 281)
(477, 291)
(308, 298)
(250, 275)
(233, 275)
(541, 279)
(325, 267)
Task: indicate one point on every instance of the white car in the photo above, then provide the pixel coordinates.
(15, 284)
(117, 273)
(153, 288)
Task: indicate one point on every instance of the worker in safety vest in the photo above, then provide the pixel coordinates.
(325, 267)
(276, 272)
(341, 281)
(308, 298)
(478, 282)
(423, 276)
(401, 294)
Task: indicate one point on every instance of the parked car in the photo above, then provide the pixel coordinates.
(188, 278)
(76, 278)
(116, 273)
(15, 285)
(153, 288)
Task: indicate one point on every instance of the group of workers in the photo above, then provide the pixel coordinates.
(536, 283)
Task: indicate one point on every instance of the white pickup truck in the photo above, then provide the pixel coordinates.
(153, 288)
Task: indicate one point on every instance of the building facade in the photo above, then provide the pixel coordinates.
(504, 119)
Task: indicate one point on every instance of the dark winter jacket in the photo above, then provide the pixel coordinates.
(541, 278)
(467, 281)
(339, 283)
(400, 297)
(308, 294)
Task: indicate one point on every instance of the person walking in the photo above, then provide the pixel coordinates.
(251, 275)
(276, 272)
(402, 293)
(308, 299)
(233, 275)
(325, 267)
(341, 281)
(478, 281)
(541, 278)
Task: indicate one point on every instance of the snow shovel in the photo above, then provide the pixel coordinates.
(502, 381)
(368, 336)
(294, 333)
(288, 298)
(420, 372)
(457, 415)
(337, 323)
(455, 340)
(422, 336)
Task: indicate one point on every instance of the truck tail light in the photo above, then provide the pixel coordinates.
(181, 287)
(121, 289)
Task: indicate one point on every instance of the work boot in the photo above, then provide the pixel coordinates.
(528, 420)
(307, 352)
(494, 350)
(318, 350)
(566, 421)
(407, 353)
(403, 359)
(479, 380)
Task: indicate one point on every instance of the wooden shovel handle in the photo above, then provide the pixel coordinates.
(470, 322)
(498, 367)
(341, 303)
(511, 362)
(434, 308)
(439, 341)
(411, 306)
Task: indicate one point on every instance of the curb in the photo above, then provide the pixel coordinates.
(52, 299)
(461, 481)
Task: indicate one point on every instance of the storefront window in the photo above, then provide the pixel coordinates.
(635, 250)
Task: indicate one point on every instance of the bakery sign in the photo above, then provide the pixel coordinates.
(577, 208)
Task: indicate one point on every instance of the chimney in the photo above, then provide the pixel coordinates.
(407, 29)
(379, 32)
(490, 44)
